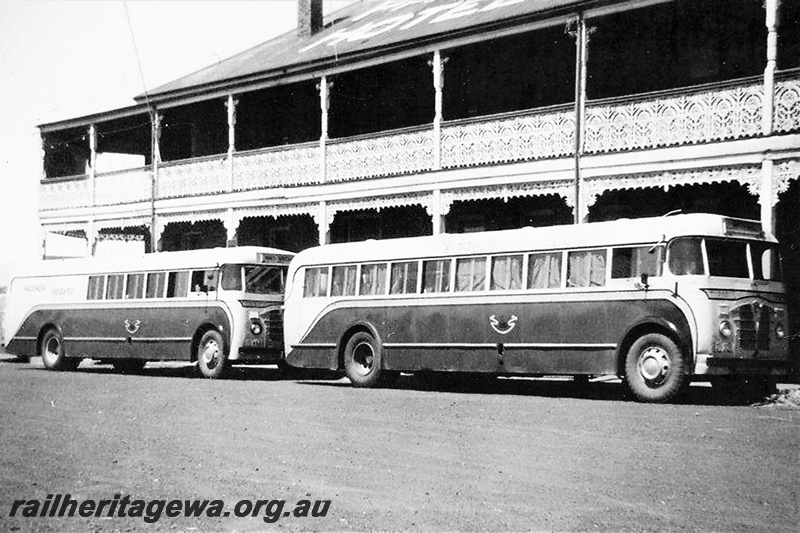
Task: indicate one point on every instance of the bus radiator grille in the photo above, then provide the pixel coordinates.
(274, 322)
(753, 323)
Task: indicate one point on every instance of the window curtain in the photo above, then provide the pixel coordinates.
(544, 271)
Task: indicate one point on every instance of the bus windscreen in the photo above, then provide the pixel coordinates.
(256, 279)
(728, 258)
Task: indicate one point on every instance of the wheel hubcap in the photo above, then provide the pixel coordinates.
(52, 349)
(364, 357)
(210, 354)
(654, 365)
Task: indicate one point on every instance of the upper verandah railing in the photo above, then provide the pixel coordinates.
(695, 115)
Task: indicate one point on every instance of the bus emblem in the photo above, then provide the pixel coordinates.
(134, 328)
(503, 326)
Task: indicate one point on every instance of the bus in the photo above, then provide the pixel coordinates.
(215, 307)
(658, 302)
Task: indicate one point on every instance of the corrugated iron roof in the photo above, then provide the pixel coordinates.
(364, 28)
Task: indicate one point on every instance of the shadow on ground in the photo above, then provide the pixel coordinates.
(612, 390)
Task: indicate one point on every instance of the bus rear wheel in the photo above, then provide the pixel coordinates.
(212, 362)
(363, 362)
(655, 369)
(53, 354)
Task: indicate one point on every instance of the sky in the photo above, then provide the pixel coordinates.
(62, 59)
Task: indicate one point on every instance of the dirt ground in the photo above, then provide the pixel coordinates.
(538, 455)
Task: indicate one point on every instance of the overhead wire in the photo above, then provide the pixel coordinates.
(139, 62)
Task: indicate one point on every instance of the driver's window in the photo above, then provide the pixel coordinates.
(686, 257)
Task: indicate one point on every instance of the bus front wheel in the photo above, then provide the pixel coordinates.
(212, 362)
(655, 369)
(53, 354)
(362, 361)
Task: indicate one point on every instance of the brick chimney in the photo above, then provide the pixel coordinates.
(309, 17)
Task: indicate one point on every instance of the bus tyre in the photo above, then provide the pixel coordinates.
(53, 354)
(362, 361)
(655, 370)
(212, 362)
(128, 366)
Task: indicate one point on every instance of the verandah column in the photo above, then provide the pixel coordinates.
(231, 106)
(230, 221)
(437, 217)
(231, 224)
(581, 212)
(766, 196)
(324, 104)
(438, 85)
(155, 121)
(91, 232)
(323, 224)
(437, 65)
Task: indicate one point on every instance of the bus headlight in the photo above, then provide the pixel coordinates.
(256, 328)
(779, 331)
(725, 329)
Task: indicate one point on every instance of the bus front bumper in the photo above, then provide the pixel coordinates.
(259, 355)
(707, 365)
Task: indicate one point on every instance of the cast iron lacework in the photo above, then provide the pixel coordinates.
(66, 194)
(191, 178)
(122, 187)
(299, 165)
(384, 155)
(518, 138)
(787, 105)
(283, 210)
(565, 189)
(378, 203)
(192, 217)
(703, 116)
(750, 176)
(784, 173)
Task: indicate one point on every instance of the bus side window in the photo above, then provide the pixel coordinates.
(766, 262)
(97, 285)
(344, 281)
(316, 282)
(155, 284)
(470, 274)
(586, 268)
(115, 285)
(633, 262)
(436, 275)
(232, 277)
(373, 279)
(178, 284)
(404, 277)
(506, 273)
(544, 271)
(204, 280)
(135, 286)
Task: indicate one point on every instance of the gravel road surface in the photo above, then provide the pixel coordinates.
(515, 455)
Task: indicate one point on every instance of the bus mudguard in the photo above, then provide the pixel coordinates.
(359, 325)
(674, 324)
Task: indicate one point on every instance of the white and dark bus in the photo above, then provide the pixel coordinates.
(216, 306)
(658, 302)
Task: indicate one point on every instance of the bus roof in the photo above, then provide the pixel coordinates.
(613, 233)
(189, 259)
